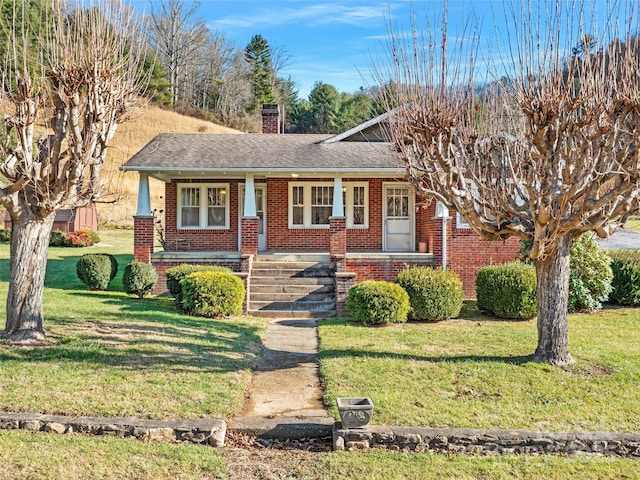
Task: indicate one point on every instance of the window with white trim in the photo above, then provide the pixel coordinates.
(311, 204)
(356, 204)
(204, 205)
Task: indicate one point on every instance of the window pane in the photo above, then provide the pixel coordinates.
(321, 196)
(216, 197)
(190, 212)
(190, 216)
(320, 215)
(358, 215)
(358, 196)
(190, 197)
(297, 200)
(216, 217)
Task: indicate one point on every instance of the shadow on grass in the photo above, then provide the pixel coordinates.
(343, 354)
(148, 333)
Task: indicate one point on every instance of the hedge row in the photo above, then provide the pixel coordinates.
(625, 265)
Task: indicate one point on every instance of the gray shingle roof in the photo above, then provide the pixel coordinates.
(261, 153)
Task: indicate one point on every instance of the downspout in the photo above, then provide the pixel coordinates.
(443, 212)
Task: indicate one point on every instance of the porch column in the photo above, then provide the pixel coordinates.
(338, 202)
(249, 221)
(249, 197)
(143, 223)
(144, 199)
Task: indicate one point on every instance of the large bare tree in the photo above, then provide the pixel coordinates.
(64, 109)
(547, 153)
(179, 39)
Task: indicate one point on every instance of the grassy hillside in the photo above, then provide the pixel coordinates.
(129, 139)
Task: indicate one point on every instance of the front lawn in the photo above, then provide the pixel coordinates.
(40, 456)
(109, 354)
(476, 372)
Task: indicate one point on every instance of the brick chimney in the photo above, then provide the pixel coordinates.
(270, 118)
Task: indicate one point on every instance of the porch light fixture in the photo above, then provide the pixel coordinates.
(223, 191)
(294, 175)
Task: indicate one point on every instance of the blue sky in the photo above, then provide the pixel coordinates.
(337, 42)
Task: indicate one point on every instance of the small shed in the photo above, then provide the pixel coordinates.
(70, 220)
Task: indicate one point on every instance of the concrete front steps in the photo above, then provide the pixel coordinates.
(295, 289)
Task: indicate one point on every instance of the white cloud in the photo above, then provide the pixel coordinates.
(324, 13)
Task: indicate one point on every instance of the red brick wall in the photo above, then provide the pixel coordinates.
(281, 238)
(467, 253)
(201, 239)
(162, 267)
(379, 270)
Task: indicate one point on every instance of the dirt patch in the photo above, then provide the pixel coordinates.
(250, 457)
(592, 370)
(268, 464)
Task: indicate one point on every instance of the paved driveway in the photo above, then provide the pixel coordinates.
(622, 238)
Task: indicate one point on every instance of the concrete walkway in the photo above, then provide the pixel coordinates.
(286, 390)
(286, 382)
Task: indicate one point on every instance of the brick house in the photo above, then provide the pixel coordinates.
(337, 208)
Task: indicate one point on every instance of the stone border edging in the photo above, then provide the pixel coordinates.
(202, 431)
(492, 442)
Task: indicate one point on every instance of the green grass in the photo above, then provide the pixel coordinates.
(633, 224)
(387, 466)
(476, 372)
(109, 354)
(28, 455)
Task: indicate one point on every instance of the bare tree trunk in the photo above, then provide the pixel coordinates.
(553, 299)
(29, 249)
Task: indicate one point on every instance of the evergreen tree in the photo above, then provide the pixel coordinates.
(258, 55)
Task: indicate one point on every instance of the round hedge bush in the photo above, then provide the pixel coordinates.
(625, 285)
(213, 294)
(177, 273)
(507, 290)
(434, 294)
(139, 278)
(591, 275)
(376, 302)
(96, 270)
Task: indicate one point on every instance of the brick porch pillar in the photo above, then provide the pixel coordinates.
(338, 236)
(142, 238)
(249, 233)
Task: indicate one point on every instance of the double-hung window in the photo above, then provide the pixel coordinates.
(356, 204)
(203, 205)
(311, 204)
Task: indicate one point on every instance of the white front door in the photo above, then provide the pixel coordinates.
(261, 198)
(398, 218)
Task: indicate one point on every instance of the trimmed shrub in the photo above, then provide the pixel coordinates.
(434, 294)
(625, 265)
(591, 275)
(56, 239)
(77, 239)
(507, 290)
(95, 238)
(139, 278)
(96, 270)
(212, 294)
(176, 274)
(5, 235)
(377, 302)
